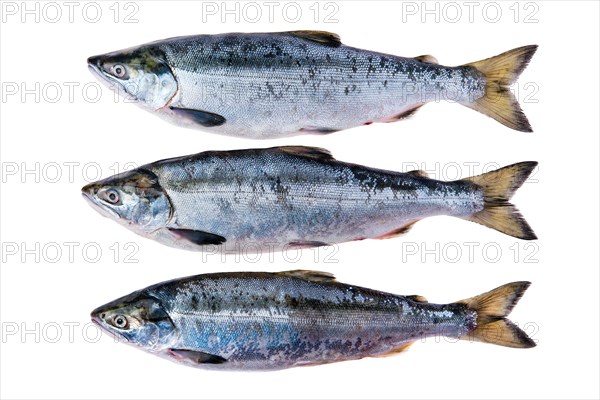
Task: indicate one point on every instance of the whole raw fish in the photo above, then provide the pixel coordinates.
(266, 199)
(268, 321)
(267, 85)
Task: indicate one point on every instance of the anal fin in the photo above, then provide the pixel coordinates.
(398, 232)
(396, 350)
(404, 114)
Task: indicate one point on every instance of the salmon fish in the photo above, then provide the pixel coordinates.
(293, 196)
(269, 85)
(270, 321)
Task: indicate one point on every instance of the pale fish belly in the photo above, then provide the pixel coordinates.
(310, 88)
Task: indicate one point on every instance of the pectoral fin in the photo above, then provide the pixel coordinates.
(204, 118)
(307, 244)
(317, 131)
(196, 357)
(198, 237)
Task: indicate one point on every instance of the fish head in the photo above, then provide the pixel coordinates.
(137, 319)
(139, 74)
(134, 198)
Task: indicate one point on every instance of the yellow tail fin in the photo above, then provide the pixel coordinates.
(498, 187)
(492, 325)
(500, 72)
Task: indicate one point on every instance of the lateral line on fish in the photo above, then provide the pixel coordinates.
(345, 198)
(350, 320)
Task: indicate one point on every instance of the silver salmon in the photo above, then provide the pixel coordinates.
(294, 196)
(268, 85)
(269, 321)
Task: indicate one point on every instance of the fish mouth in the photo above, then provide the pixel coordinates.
(112, 83)
(96, 320)
(102, 77)
(94, 67)
(102, 209)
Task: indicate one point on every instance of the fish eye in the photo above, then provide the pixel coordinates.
(119, 70)
(120, 321)
(111, 196)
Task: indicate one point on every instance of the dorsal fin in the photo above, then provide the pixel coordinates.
(427, 58)
(311, 276)
(419, 172)
(316, 153)
(417, 298)
(323, 37)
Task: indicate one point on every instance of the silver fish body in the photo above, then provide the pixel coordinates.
(268, 321)
(270, 199)
(267, 85)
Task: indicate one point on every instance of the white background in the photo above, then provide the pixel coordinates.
(45, 296)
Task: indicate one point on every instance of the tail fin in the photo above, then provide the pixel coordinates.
(492, 325)
(500, 72)
(498, 187)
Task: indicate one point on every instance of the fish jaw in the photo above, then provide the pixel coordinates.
(88, 192)
(149, 80)
(96, 320)
(134, 199)
(148, 327)
(110, 82)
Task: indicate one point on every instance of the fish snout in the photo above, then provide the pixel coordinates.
(97, 316)
(94, 61)
(95, 65)
(88, 191)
